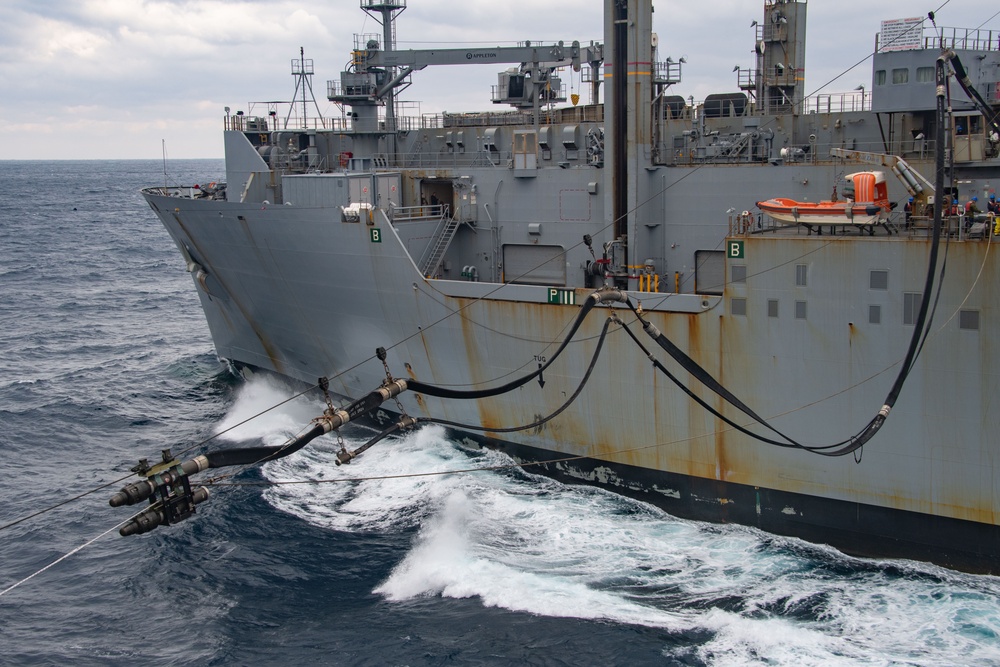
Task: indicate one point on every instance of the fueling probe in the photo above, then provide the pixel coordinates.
(167, 485)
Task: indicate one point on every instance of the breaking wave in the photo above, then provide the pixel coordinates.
(529, 544)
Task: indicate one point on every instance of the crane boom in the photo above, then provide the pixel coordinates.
(906, 174)
(552, 55)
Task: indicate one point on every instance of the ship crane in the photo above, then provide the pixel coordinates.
(533, 81)
(907, 175)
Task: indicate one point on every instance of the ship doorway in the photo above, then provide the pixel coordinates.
(438, 192)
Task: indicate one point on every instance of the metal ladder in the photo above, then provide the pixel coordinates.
(432, 259)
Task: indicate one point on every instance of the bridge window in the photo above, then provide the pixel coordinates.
(880, 77)
(900, 75)
(925, 74)
(800, 275)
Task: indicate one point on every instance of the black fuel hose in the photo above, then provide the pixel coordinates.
(921, 329)
(244, 456)
(478, 427)
(543, 420)
(601, 296)
(970, 90)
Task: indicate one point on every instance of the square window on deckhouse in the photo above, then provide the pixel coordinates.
(878, 279)
(968, 320)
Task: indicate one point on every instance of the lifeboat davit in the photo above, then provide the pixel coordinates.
(866, 203)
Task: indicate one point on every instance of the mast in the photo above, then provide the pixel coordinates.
(628, 99)
(302, 70)
(387, 11)
(781, 53)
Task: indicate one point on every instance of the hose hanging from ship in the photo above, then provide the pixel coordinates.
(991, 116)
(171, 499)
(921, 327)
(167, 485)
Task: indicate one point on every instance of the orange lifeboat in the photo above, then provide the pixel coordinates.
(868, 206)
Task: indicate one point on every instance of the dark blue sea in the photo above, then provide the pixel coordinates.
(105, 358)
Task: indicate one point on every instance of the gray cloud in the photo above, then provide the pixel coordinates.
(111, 78)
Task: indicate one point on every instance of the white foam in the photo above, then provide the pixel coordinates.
(529, 544)
(253, 405)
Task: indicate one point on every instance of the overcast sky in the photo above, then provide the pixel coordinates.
(123, 78)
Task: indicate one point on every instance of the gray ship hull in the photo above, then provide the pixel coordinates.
(298, 292)
(466, 244)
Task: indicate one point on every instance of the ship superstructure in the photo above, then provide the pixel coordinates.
(465, 245)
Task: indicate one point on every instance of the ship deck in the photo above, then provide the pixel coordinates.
(918, 227)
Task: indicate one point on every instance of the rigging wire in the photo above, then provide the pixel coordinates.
(851, 445)
(65, 556)
(610, 225)
(911, 355)
(65, 502)
(197, 445)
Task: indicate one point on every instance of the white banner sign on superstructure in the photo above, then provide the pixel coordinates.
(901, 34)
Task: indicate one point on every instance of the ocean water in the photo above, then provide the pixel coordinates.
(105, 358)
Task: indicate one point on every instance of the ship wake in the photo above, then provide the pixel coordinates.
(532, 545)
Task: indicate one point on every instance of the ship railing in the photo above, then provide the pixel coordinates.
(745, 148)
(964, 39)
(500, 94)
(380, 4)
(398, 124)
(961, 39)
(270, 120)
(744, 223)
(588, 113)
(896, 226)
(746, 78)
(667, 72)
(417, 213)
(360, 87)
(856, 100)
(953, 227)
(838, 102)
(474, 119)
